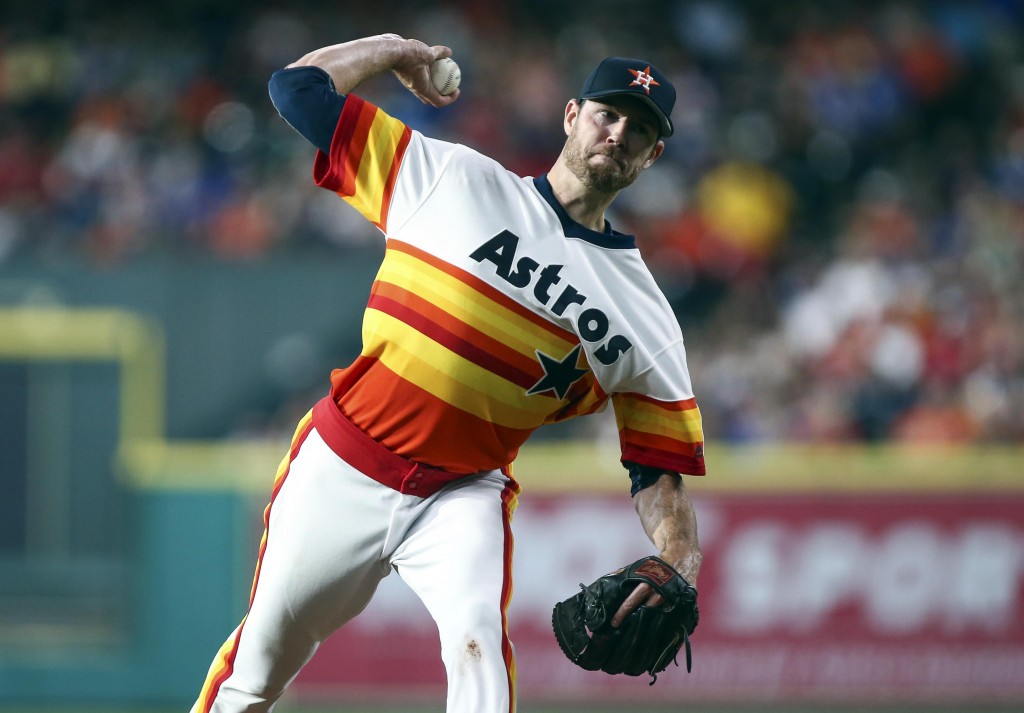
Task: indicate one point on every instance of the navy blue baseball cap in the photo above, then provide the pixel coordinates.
(635, 78)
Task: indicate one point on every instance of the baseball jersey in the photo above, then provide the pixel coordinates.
(494, 313)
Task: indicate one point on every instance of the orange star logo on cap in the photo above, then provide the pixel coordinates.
(643, 78)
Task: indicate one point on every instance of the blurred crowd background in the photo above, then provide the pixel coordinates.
(838, 220)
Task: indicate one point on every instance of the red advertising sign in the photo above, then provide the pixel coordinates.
(839, 597)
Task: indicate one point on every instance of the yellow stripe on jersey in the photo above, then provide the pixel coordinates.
(454, 296)
(422, 361)
(684, 425)
(375, 168)
(662, 434)
(365, 154)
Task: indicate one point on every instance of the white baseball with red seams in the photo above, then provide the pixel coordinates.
(446, 75)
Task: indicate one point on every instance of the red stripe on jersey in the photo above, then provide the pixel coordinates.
(509, 498)
(658, 442)
(355, 144)
(470, 344)
(578, 404)
(341, 143)
(522, 361)
(484, 289)
(689, 462)
(427, 429)
(389, 184)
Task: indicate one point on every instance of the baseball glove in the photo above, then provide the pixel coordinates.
(647, 640)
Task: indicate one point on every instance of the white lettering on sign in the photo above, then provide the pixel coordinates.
(906, 572)
(837, 548)
(556, 548)
(906, 578)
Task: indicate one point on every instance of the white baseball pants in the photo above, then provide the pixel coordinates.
(333, 532)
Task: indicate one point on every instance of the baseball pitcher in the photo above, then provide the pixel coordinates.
(502, 304)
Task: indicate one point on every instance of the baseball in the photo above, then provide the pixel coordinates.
(445, 75)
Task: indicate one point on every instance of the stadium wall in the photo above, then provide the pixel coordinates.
(880, 592)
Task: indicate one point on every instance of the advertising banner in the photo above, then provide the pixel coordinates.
(915, 598)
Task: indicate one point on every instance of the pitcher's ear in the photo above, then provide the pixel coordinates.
(572, 112)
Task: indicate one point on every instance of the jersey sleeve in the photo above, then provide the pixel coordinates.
(659, 422)
(364, 159)
(660, 434)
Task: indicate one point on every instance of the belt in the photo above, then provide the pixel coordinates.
(368, 456)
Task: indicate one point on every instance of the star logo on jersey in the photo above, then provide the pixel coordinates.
(644, 78)
(559, 376)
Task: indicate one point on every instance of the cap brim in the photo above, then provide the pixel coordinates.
(666, 124)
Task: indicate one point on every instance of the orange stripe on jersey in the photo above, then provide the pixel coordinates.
(681, 425)
(424, 428)
(673, 419)
(661, 434)
(366, 152)
(462, 339)
(451, 295)
(433, 367)
(330, 171)
(653, 442)
(224, 662)
(220, 670)
(586, 397)
(389, 184)
(690, 462)
(376, 168)
(512, 340)
(354, 129)
(484, 289)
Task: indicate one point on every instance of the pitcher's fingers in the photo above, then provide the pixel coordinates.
(643, 594)
(441, 51)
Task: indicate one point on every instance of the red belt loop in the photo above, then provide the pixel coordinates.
(366, 455)
(412, 481)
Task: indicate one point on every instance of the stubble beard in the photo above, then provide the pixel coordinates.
(604, 177)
